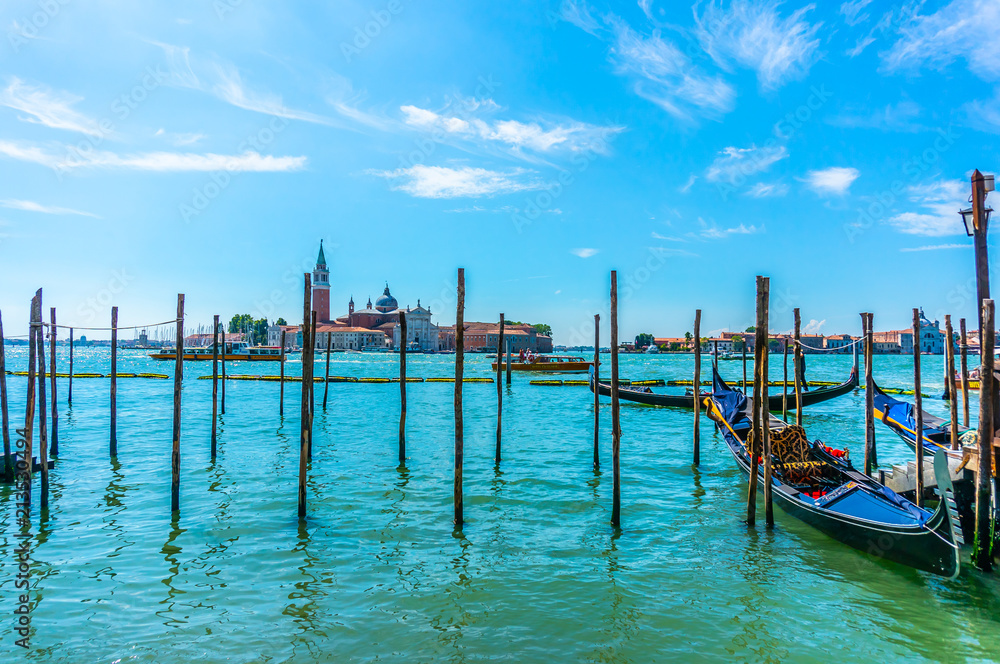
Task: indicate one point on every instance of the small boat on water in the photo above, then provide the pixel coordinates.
(819, 486)
(727, 355)
(651, 349)
(234, 351)
(550, 364)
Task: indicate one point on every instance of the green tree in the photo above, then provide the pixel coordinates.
(643, 340)
(687, 337)
(675, 345)
(281, 321)
(254, 328)
(752, 328)
(774, 346)
(737, 342)
(543, 328)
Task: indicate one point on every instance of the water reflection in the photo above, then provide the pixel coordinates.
(305, 598)
(452, 629)
(755, 568)
(171, 554)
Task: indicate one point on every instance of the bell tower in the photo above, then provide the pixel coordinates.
(321, 288)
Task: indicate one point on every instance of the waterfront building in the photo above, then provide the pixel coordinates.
(839, 343)
(419, 329)
(321, 288)
(484, 337)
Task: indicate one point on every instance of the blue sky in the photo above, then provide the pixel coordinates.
(206, 147)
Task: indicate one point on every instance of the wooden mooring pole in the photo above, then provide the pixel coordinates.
(797, 368)
(304, 428)
(69, 393)
(54, 445)
(281, 390)
(459, 373)
(215, 384)
(175, 452)
(597, 391)
(784, 380)
(114, 382)
(918, 409)
(402, 387)
(982, 546)
(312, 379)
(508, 362)
(496, 458)
(43, 454)
(8, 460)
(225, 346)
(616, 433)
(696, 433)
(871, 456)
(763, 321)
(744, 363)
(950, 370)
(965, 374)
(29, 410)
(326, 377)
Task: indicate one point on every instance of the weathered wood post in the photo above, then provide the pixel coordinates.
(616, 433)
(312, 379)
(43, 456)
(871, 456)
(8, 460)
(508, 362)
(918, 409)
(29, 410)
(965, 374)
(950, 369)
(281, 393)
(326, 377)
(597, 391)
(797, 369)
(496, 459)
(696, 433)
(760, 446)
(459, 372)
(763, 321)
(175, 453)
(114, 382)
(69, 394)
(225, 346)
(981, 548)
(744, 363)
(304, 429)
(402, 387)
(54, 446)
(784, 380)
(215, 384)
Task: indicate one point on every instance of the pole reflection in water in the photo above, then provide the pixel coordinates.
(306, 597)
(171, 554)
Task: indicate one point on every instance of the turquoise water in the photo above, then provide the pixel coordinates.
(377, 571)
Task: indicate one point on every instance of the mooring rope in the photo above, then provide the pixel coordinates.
(828, 350)
(108, 329)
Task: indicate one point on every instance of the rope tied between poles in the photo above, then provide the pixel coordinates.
(129, 327)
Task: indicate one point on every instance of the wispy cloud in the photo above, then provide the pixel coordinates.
(710, 231)
(813, 326)
(657, 236)
(31, 206)
(768, 190)
(852, 11)
(937, 209)
(734, 164)
(687, 185)
(545, 136)
(757, 36)
(894, 117)
(963, 29)
(583, 253)
(441, 182)
(937, 247)
(68, 159)
(835, 180)
(578, 13)
(47, 107)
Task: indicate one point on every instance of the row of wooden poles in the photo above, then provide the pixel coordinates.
(760, 410)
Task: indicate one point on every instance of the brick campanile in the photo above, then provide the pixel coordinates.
(321, 288)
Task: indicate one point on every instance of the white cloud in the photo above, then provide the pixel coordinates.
(937, 247)
(687, 185)
(710, 231)
(31, 206)
(441, 182)
(962, 29)
(179, 139)
(834, 180)
(657, 236)
(938, 204)
(734, 164)
(755, 35)
(852, 11)
(583, 253)
(768, 190)
(578, 13)
(894, 117)
(571, 136)
(47, 107)
(70, 159)
(813, 326)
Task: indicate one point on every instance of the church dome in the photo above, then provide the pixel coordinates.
(387, 302)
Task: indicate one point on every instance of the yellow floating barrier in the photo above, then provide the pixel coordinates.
(374, 380)
(545, 382)
(659, 382)
(577, 382)
(440, 380)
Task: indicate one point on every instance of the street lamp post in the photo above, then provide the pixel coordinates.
(977, 221)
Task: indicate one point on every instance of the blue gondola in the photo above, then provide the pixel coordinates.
(814, 484)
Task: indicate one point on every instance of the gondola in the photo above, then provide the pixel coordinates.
(819, 486)
(900, 416)
(650, 398)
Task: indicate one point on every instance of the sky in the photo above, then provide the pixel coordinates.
(205, 148)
